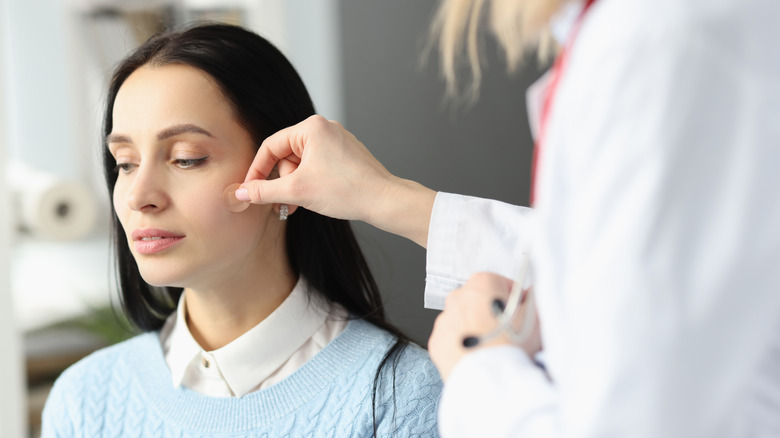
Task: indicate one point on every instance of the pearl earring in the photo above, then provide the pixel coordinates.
(283, 212)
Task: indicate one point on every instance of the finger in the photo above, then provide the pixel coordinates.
(278, 146)
(275, 191)
(451, 300)
(434, 337)
(287, 166)
(490, 284)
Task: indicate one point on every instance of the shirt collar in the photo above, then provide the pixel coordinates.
(564, 20)
(249, 359)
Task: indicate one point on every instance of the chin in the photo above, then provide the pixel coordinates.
(161, 277)
(161, 282)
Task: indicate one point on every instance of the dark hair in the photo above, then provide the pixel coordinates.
(267, 95)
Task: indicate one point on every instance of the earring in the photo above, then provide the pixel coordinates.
(283, 212)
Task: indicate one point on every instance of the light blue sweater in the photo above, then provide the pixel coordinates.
(126, 390)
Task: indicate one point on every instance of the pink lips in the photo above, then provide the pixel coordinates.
(152, 240)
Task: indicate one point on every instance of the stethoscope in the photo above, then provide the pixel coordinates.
(505, 312)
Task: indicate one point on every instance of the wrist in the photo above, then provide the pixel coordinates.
(403, 208)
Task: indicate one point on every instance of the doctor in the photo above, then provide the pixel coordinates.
(654, 242)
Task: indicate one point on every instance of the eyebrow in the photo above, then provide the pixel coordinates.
(182, 129)
(117, 138)
(162, 135)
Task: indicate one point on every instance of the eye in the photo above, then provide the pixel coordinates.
(124, 167)
(189, 163)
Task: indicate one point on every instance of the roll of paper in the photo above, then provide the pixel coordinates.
(50, 207)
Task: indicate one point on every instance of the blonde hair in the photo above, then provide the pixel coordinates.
(519, 26)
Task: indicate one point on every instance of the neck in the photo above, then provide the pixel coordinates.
(218, 315)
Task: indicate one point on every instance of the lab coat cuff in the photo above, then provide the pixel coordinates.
(440, 256)
(437, 289)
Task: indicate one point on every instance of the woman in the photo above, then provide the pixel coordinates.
(259, 320)
(654, 239)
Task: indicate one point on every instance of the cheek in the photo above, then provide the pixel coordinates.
(207, 206)
(226, 235)
(119, 200)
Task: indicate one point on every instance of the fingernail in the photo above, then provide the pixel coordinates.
(242, 194)
(498, 307)
(470, 341)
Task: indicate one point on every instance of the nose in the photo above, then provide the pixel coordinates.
(147, 191)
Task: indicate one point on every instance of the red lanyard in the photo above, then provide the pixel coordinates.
(552, 87)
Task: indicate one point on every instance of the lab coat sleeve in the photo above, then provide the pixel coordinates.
(469, 235)
(497, 392)
(658, 219)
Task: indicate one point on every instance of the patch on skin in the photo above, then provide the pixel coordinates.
(230, 201)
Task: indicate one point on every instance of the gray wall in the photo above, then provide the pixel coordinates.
(397, 109)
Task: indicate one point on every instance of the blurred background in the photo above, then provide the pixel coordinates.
(360, 59)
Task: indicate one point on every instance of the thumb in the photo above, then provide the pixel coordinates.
(261, 191)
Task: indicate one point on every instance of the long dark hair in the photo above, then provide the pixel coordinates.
(267, 95)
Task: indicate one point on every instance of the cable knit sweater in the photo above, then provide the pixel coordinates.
(126, 390)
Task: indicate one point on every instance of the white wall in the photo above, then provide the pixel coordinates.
(314, 38)
(12, 402)
(44, 128)
(307, 32)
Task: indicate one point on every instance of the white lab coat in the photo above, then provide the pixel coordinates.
(655, 241)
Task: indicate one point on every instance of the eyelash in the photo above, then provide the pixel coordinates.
(124, 167)
(190, 163)
(181, 163)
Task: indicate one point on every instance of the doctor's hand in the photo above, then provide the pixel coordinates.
(468, 312)
(324, 168)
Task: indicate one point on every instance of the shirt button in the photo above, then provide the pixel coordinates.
(205, 362)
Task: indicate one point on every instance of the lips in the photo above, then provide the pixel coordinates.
(152, 240)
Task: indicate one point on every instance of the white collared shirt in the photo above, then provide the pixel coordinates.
(270, 351)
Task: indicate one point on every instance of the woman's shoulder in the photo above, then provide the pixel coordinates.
(414, 360)
(106, 362)
(408, 384)
(362, 347)
(415, 379)
(378, 341)
(86, 386)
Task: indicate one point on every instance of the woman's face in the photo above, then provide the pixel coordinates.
(178, 146)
